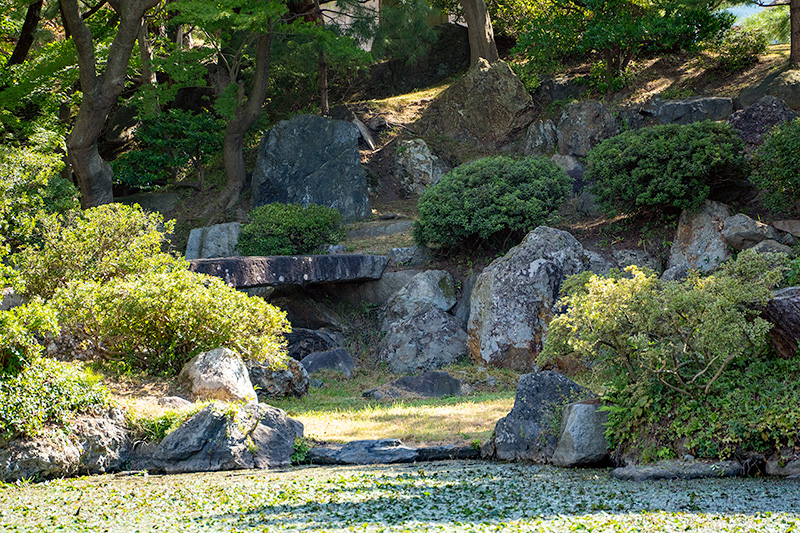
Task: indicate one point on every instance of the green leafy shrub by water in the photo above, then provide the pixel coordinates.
(99, 244)
(290, 229)
(777, 167)
(669, 166)
(490, 201)
(659, 346)
(157, 321)
(46, 392)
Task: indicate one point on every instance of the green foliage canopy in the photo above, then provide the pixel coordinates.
(290, 229)
(777, 167)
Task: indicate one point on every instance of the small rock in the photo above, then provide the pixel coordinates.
(698, 242)
(219, 374)
(742, 232)
(416, 167)
(10, 299)
(363, 452)
(583, 125)
(334, 249)
(770, 246)
(410, 256)
(174, 402)
(213, 241)
(540, 139)
(428, 385)
(789, 226)
(757, 120)
(302, 342)
(640, 258)
(678, 470)
(583, 436)
(290, 381)
(337, 359)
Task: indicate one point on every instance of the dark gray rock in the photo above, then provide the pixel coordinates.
(305, 309)
(462, 309)
(213, 241)
(428, 385)
(254, 436)
(302, 341)
(279, 383)
(429, 339)
(789, 468)
(559, 88)
(689, 110)
(574, 169)
(447, 453)
(249, 272)
(337, 359)
(757, 120)
(583, 125)
(312, 160)
(364, 452)
(410, 256)
(771, 246)
(741, 232)
(678, 470)
(582, 441)
(530, 431)
(783, 310)
(784, 85)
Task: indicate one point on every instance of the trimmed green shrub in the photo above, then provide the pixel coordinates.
(659, 346)
(490, 201)
(289, 229)
(47, 392)
(30, 190)
(98, 244)
(740, 49)
(665, 166)
(158, 320)
(18, 329)
(777, 167)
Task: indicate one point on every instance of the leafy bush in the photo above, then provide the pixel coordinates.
(30, 189)
(18, 329)
(290, 229)
(740, 49)
(490, 200)
(659, 346)
(46, 392)
(777, 167)
(158, 320)
(665, 166)
(98, 244)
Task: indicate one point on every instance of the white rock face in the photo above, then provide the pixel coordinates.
(417, 167)
(427, 340)
(431, 288)
(583, 436)
(213, 241)
(219, 374)
(699, 243)
(513, 300)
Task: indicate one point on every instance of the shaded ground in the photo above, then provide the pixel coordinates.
(446, 496)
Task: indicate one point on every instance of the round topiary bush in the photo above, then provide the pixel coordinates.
(665, 166)
(489, 201)
(289, 229)
(777, 167)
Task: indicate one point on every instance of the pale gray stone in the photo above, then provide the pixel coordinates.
(678, 470)
(582, 441)
(432, 288)
(218, 374)
(742, 232)
(428, 340)
(213, 241)
(640, 258)
(540, 139)
(698, 242)
(416, 167)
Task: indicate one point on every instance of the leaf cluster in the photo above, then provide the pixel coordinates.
(740, 49)
(489, 201)
(777, 168)
(289, 229)
(667, 166)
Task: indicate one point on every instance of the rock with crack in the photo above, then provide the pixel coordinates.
(514, 298)
(219, 240)
(741, 232)
(527, 432)
(583, 125)
(432, 288)
(582, 440)
(416, 167)
(698, 242)
(218, 374)
(222, 437)
(427, 340)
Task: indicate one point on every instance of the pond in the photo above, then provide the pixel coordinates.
(444, 496)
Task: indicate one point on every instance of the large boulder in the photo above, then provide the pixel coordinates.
(541, 139)
(527, 433)
(755, 122)
(582, 441)
(312, 160)
(252, 436)
(488, 108)
(337, 359)
(514, 297)
(279, 382)
(698, 242)
(218, 374)
(92, 445)
(252, 272)
(213, 241)
(416, 167)
(427, 340)
(784, 85)
(689, 110)
(432, 288)
(583, 125)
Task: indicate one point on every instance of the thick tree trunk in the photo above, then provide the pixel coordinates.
(25, 40)
(99, 95)
(481, 35)
(146, 56)
(794, 21)
(322, 65)
(247, 112)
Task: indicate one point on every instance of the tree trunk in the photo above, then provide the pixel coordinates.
(100, 92)
(481, 35)
(247, 112)
(322, 65)
(794, 21)
(25, 41)
(146, 56)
